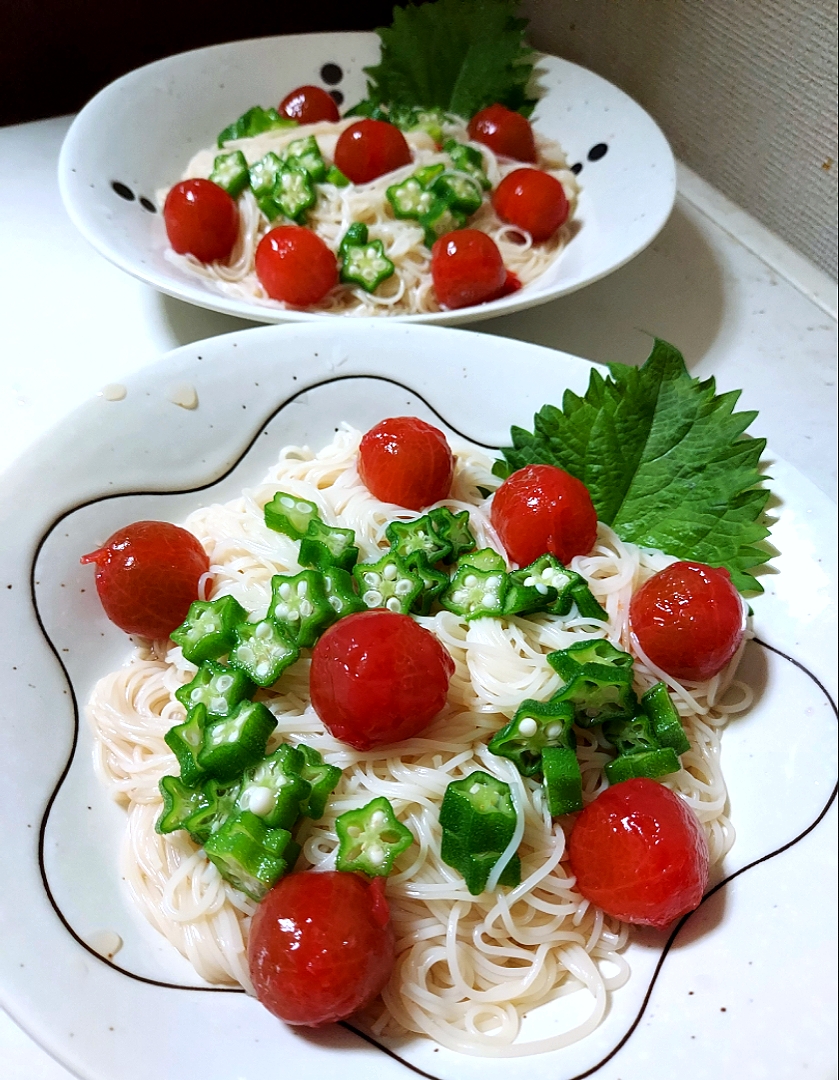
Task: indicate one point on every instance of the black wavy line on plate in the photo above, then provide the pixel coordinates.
(238, 990)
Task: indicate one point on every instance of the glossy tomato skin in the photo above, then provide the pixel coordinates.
(639, 853)
(201, 219)
(321, 946)
(542, 509)
(688, 619)
(378, 677)
(371, 148)
(294, 265)
(309, 105)
(147, 575)
(532, 200)
(467, 268)
(404, 460)
(506, 133)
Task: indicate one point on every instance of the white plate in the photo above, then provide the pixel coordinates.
(745, 982)
(141, 131)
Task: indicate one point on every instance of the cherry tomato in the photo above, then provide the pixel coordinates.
(201, 219)
(511, 284)
(639, 853)
(308, 105)
(542, 509)
(533, 200)
(467, 268)
(506, 133)
(295, 265)
(147, 575)
(369, 149)
(405, 461)
(321, 946)
(688, 619)
(378, 677)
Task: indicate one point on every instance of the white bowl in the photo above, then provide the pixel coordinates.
(137, 135)
(741, 987)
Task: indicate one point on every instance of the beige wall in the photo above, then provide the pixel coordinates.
(745, 90)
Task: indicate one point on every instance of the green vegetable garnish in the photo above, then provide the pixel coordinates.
(664, 458)
(453, 55)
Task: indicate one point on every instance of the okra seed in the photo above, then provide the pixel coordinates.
(262, 631)
(470, 581)
(263, 669)
(529, 581)
(287, 502)
(376, 855)
(306, 609)
(542, 589)
(302, 588)
(223, 683)
(553, 730)
(260, 801)
(354, 831)
(403, 586)
(372, 598)
(390, 572)
(392, 604)
(304, 508)
(377, 820)
(285, 590)
(528, 727)
(489, 598)
(372, 579)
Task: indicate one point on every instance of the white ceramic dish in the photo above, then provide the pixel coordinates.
(743, 986)
(138, 134)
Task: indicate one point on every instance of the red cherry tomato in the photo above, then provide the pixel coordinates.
(369, 149)
(295, 265)
(688, 619)
(467, 268)
(540, 509)
(405, 461)
(533, 200)
(147, 575)
(309, 105)
(321, 946)
(201, 219)
(639, 853)
(378, 677)
(506, 133)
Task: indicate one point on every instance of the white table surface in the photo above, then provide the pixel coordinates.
(738, 302)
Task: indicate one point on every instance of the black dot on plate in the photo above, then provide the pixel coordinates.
(147, 204)
(123, 190)
(598, 151)
(577, 169)
(331, 74)
(337, 97)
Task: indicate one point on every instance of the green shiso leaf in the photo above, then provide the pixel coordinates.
(454, 55)
(665, 459)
